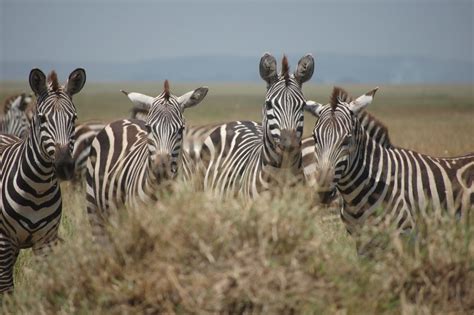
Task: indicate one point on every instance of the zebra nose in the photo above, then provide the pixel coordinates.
(162, 166)
(63, 162)
(326, 197)
(288, 140)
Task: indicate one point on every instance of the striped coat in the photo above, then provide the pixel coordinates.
(30, 170)
(384, 185)
(245, 159)
(131, 159)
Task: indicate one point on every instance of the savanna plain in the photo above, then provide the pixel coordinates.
(191, 253)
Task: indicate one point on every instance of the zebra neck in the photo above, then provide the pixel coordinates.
(34, 160)
(364, 176)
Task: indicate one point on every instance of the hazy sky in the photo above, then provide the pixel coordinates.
(140, 30)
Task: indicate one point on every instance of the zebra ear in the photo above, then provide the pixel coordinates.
(313, 108)
(18, 102)
(362, 101)
(192, 98)
(305, 69)
(38, 82)
(268, 68)
(140, 101)
(76, 81)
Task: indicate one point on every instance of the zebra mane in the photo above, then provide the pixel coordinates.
(166, 90)
(285, 69)
(53, 80)
(365, 115)
(339, 95)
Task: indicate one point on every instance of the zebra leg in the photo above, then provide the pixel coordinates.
(43, 249)
(8, 255)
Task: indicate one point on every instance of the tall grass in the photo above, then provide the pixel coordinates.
(192, 253)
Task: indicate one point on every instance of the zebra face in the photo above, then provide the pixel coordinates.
(55, 118)
(284, 101)
(165, 125)
(336, 136)
(333, 138)
(16, 121)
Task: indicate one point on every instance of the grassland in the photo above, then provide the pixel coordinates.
(191, 253)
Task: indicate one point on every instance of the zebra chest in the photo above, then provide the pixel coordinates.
(30, 206)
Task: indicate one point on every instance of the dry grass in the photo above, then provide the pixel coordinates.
(191, 253)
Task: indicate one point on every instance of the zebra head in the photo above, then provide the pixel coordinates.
(165, 125)
(283, 117)
(16, 118)
(336, 136)
(53, 121)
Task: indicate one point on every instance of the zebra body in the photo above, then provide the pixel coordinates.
(244, 158)
(30, 203)
(130, 159)
(85, 133)
(382, 184)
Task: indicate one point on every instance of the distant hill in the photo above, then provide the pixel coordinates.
(330, 68)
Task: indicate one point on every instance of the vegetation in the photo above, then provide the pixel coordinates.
(192, 253)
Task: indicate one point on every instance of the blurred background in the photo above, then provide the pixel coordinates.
(368, 41)
(419, 52)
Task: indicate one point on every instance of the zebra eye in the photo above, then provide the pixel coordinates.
(347, 140)
(42, 118)
(148, 128)
(268, 105)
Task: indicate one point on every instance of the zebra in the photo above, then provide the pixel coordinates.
(193, 137)
(16, 119)
(246, 158)
(374, 128)
(383, 185)
(85, 133)
(130, 158)
(25, 104)
(30, 202)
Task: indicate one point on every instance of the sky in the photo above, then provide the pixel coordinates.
(128, 31)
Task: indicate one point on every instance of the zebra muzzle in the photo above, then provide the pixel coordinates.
(288, 140)
(63, 163)
(326, 197)
(162, 167)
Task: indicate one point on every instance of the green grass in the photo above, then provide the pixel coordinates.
(192, 253)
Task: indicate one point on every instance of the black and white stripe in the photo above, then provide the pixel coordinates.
(129, 158)
(31, 201)
(383, 184)
(375, 130)
(245, 158)
(17, 114)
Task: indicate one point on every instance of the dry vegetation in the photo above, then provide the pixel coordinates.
(191, 253)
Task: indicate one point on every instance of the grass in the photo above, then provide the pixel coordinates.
(191, 253)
